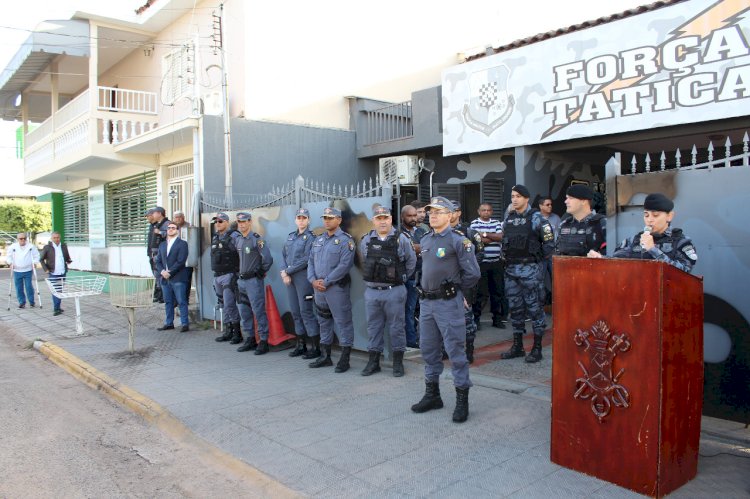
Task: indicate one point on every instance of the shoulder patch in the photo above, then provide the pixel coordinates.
(459, 232)
(351, 245)
(689, 250)
(547, 234)
(261, 243)
(347, 234)
(467, 245)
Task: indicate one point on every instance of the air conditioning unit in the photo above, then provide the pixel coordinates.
(401, 169)
(212, 104)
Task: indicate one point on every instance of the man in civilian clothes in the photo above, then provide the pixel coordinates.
(492, 284)
(55, 259)
(170, 264)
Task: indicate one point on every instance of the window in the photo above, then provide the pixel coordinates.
(126, 203)
(176, 75)
(76, 217)
(471, 194)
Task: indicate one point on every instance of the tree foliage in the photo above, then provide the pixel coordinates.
(25, 216)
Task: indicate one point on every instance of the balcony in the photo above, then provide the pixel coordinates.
(79, 139)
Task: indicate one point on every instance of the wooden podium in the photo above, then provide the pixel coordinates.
(627, 373)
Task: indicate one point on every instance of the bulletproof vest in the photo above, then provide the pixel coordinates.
(154, 240)
(576, 240)
(382, 263)
(224, 257)
(519, 240)
(667, 243)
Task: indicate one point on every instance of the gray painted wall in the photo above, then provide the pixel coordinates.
(273, 154)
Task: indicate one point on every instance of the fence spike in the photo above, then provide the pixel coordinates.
(662, 160)
(728, 147)
(745, 150)
(710, 152)
(677, 157)
(633, 164)
(694, 155)
(648, 162)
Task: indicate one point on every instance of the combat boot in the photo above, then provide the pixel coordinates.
(536, 351)
(461, 412)
(343, 364)
(228, 333)
(498, 322)
(431, 399)
(314, 351)
(470, 351)
(398, 364)
(323, 360)
(516, 350)
(236, 334)
(262, 348)
(373, 364)
(301, 347)
(250, 344)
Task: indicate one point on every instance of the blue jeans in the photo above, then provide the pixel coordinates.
(56, 281)
(175, 291)
(411, 305)
(22, 280)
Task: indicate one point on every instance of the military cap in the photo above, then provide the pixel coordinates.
(244, 216)
(658, 202)
(303, 212)
(522, 190)
(331, 212)
(442, 203)
(381, 211)
(150, 211)
(220, 216)
(580, 191)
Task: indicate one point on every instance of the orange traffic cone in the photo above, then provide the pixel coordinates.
(276, 333)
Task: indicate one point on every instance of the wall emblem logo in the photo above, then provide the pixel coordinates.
(490, 105)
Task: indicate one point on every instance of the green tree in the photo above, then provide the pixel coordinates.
(25, 216)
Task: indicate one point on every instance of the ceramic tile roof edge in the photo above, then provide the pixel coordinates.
(144, 7)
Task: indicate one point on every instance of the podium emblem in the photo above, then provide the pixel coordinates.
(598, 384)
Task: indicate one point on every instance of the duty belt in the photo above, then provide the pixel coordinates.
(219, 274)
(383, 288)
(249, 275)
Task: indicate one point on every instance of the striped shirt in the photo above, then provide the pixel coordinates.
(492, 251)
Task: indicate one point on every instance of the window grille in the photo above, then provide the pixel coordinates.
(176, 75)
(76, 217)
(126, 203)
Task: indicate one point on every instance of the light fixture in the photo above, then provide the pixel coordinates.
(18, 100)
(148, 50)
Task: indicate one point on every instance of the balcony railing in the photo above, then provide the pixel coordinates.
(388, 123)
(120, 115)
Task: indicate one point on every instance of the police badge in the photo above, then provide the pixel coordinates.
(490, 105)
(440, 253)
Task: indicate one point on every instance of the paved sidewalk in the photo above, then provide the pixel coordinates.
(344, 435)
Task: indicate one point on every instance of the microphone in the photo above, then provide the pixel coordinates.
(646, 230)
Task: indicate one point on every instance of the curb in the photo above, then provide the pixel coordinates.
(161, 418)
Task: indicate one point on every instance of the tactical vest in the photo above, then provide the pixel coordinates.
(520, 243)
(575, 240)
(382, 263)
(224, 257)
(668, 244)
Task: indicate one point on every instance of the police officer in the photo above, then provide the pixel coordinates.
(255, 260)
(584, 232)
(475, 237)
(295, 255)
(659, 240)
(527, 239)
(331, 259)
(389, 262)
(225, 263)
(157, 234)
(410, 229)
(449, 269)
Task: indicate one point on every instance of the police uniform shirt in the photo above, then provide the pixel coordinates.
(672, 247)
(540, 228)
(448, 256)
(331, 257)
(405, 253)
(254, 253)
(591, 231)
(296, 251)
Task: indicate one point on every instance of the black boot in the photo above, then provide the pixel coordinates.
(470, 351)
(228, 333)
(536, 351)
(398, 364)
(250, 344)
(498, 322)
(461, 412)
(323, 360)
(314, 351)
(516, 350)
(301, 347)
(431, 399)
(236, 334)
(343, 364)
(373, 364)
(262, 348)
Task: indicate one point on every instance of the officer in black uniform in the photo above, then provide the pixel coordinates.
(389, 262)
(225, 263)
(584, 232)
(157, 234)
(449, 269)
(475, 237)
(659, 240)
(527, 240)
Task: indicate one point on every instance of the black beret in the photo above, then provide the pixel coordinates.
(522, 190)
(658, 202)
(580, 191)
